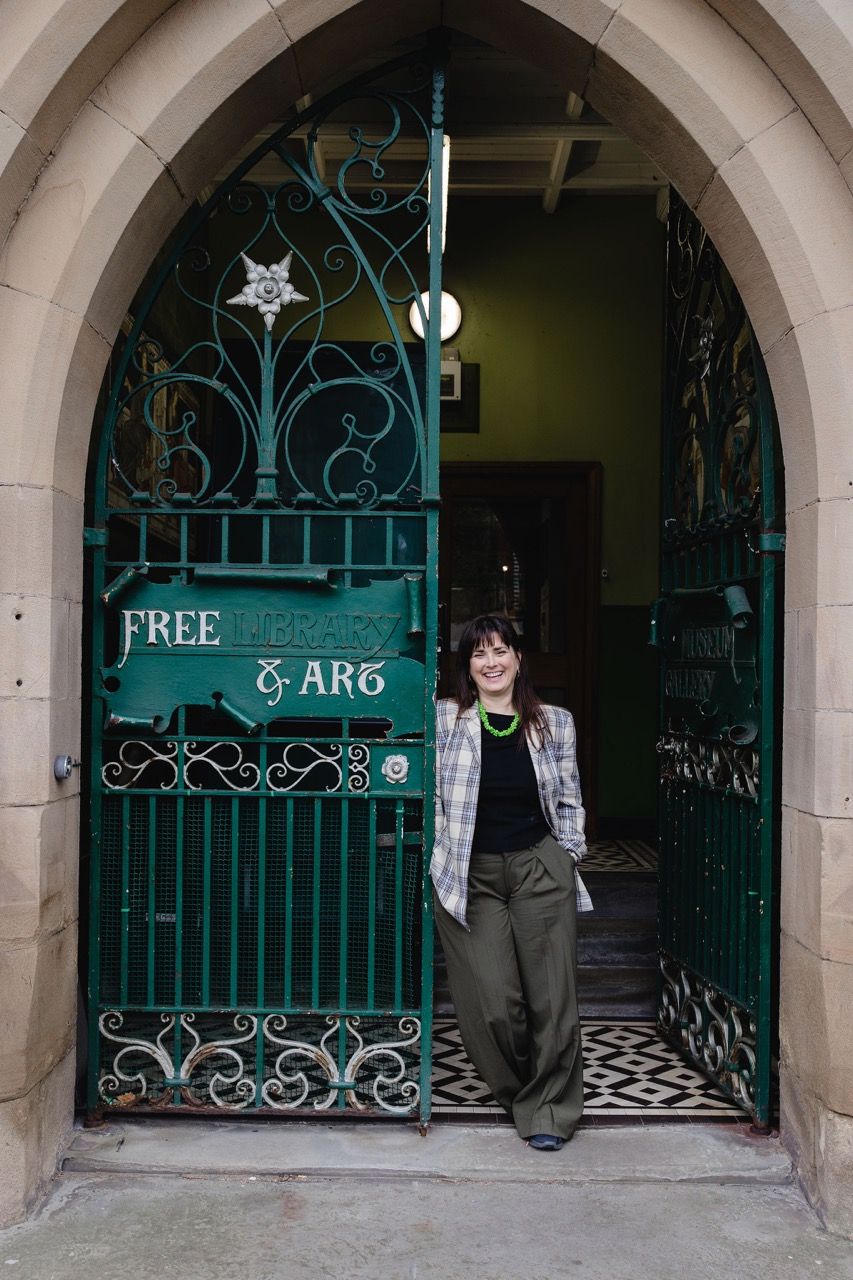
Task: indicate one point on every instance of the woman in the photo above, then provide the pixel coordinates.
(509, 830)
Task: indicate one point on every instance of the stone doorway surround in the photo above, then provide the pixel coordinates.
(114, 114)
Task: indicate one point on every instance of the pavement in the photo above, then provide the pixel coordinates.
(206, 1200)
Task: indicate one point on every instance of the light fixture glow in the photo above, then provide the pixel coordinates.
(451, 316)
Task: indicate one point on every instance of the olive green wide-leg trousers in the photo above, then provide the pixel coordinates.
(513, 978)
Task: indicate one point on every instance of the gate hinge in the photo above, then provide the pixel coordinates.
(95, 537)
(771, 542)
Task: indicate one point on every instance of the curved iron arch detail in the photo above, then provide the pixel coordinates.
(228, 420)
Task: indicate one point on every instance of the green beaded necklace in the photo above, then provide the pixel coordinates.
(497, 733)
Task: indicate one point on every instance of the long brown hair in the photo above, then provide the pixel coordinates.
(479, 631)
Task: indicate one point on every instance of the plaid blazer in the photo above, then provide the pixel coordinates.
(458, 751)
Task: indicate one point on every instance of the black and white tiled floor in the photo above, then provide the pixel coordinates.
(620, 855)
(630, 1073)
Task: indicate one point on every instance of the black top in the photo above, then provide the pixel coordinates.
(509, 814)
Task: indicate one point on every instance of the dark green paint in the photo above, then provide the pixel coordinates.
(716, 629)
(263, 651)
(259, 899)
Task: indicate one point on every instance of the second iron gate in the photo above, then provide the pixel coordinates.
(717, 629)
(263, 601)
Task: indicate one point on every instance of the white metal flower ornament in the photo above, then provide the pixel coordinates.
(395, 768)
(267, 288)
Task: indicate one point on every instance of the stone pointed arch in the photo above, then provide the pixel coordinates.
(113, 113)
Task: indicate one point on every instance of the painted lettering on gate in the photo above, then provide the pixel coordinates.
(303, 629)
(257, 649)
(691, 683)
(331, 677)
(707, 642)
(177, 629)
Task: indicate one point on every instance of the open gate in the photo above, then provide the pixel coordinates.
(264, 580)
(716, 626)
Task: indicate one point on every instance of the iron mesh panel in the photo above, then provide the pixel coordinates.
(317, 877)
(247, 902)
(193, 904)
(137, 899)
(110, 904)
(165, 901)
(222, 898)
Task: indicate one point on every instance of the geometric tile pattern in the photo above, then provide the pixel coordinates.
(628, 1067)
(620, 855)
(630, 1073)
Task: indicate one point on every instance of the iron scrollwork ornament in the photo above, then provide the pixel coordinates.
(714, 412)
(143, 1069)
(716, 1032)
(721, 766)
(234, 419)
(290, 1084)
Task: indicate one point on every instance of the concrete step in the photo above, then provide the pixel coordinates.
(714, 1153)
(630, 894)
(618, 991)
(618, 940)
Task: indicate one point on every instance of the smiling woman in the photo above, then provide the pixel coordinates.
(509, 832)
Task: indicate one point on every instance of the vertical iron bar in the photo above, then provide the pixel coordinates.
(177, 1055)
(722, 929)
(343, 928)
(371, 907)
(179, 890)
(744, 903)
(716, 863)
(288, 906)
(124, 924)
(343, 959)
(431, 489)
(398, 905)
(234, 932)
(151, 947)
(316, 904)
(731, 911)
(207, 854)
(262, 889)
(261, 935)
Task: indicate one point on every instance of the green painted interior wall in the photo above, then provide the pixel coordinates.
(564, 315)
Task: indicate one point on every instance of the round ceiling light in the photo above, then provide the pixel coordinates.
(451, 316)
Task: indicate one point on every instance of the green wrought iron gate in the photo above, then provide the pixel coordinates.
(716, 628)
(264, 570)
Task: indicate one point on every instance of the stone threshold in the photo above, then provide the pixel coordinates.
(714, 1153)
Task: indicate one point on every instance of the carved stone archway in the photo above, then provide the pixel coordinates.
(114, 113)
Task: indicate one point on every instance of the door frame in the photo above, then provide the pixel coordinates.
(580, 484)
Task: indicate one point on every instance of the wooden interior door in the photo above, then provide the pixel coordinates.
(525, 539)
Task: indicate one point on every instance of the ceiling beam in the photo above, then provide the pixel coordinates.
(560, 159)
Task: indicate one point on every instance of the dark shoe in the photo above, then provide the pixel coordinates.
(545, 1142)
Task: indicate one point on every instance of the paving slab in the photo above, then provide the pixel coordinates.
(635, 1153)
(112, 1226)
